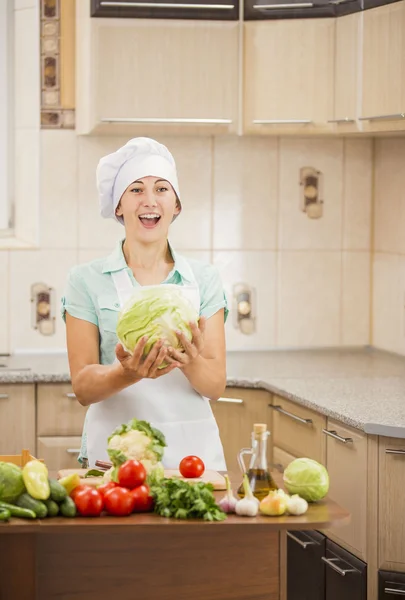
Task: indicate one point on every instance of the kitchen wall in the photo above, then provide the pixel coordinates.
(388, 296)
(241, 199)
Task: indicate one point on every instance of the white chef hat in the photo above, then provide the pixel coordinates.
(140, 157)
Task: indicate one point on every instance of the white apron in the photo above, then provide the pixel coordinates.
(169, 403)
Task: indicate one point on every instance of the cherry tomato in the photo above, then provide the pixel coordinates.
(131, 474)
(78, 489)
(191, 467)
(89, 502)
(104, 487)
(143, 499)
(119, 502)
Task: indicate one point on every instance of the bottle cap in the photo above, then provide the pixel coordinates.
(259, 427)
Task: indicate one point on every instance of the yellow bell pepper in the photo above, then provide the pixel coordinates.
(70, 482)
(35, 477)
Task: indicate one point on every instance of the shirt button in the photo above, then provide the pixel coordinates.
(116, 304)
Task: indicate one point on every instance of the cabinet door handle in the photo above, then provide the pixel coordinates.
(394, 117)
(167, 121)
(399, 452)
(70, 395)
(291, 415)
(335, 436)
(331, 563)
(73, 450)
(231, 400)
(300, 542)
(3, 396)
(287, 5)
(168, 5)
(394, 592)
(281, 121)
(345, 120)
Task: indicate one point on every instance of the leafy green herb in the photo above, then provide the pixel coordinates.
(183, 500)
(94, 473)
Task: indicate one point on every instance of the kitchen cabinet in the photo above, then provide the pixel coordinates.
(383, 72)
(17, 418)
(235, 413)
(281, 458)
(177, 9)
(58, 411)
(345, 575)
(59, 452)
(346, 461)
(298, 430)
(390, 585)
(391, 532)
(347, 80)
(288, 76)
(255, 10)
(143, 76)
(305, 567)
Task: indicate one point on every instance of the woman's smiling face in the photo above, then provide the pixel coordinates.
(148, 206)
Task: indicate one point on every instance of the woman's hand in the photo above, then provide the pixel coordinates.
(136, 367)
(191, 349)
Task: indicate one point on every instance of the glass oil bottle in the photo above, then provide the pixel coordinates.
(260, 479)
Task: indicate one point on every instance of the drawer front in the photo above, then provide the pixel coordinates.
(298, 430)
(346, 461)
(17, 418)
(281, 458)
(345, 575)
(305, 568)
(391, 585)
(59, 452)
(58, 411)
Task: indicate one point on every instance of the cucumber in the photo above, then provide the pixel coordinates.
(37, 506)
(4, 514)
(53, 508)
(16, 511)
(68, 507)
(58, 492)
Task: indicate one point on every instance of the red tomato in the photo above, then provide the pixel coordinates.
(104, 487)
(131, 474)
(89, 502)
(78, 489)
(119, 502)
(191, 467)
(143, 499)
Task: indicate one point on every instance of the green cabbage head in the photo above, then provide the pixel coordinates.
(307, 478)
(11, 482)
(156, 312)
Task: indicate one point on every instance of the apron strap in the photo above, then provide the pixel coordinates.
(123, 285)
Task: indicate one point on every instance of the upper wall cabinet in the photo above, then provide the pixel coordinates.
(172, 9)
(289, 76)
(136, 76)
(383, 106)
(263, 10)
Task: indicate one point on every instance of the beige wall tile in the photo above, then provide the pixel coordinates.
(258, 270)
(308, 307)
(27, 79)
(389, 195)
(388, 305)
(356, 270)
(27, 185)
(296, 230)
(27, 267)
(4, 303)
(193, 156)
(59, 201)
(245, 193)
(20, 4)
(357, 194)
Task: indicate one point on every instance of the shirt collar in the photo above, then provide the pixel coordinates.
(116, 262)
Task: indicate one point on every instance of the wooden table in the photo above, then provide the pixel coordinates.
(147, 557)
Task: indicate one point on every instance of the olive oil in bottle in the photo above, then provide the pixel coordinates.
(260, 479)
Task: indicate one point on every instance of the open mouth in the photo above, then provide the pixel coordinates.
(149, 220)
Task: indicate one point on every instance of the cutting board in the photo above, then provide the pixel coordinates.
(216, 479)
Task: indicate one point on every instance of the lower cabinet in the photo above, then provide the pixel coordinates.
(345, 574)
(17, 418)
(305, 568)
(391, 585)
(59, 452)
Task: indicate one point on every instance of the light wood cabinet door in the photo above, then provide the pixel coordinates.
(384, 68)
(236, 418)
(288, 76)
(58, 411)
(347, 80)
(391, 533)
(59, 452)
(298, 430)
(281, 458)
(148, 75)
(346, 461)
(17, 418)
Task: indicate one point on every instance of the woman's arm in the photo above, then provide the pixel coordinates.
(204, 360)
(93, 382)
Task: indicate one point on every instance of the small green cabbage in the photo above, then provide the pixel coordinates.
(307, 478)
(156, 312)
(11, 482)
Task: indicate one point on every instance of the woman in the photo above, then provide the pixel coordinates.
(138, 187)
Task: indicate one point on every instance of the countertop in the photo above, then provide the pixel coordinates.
(364, 388)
